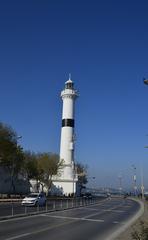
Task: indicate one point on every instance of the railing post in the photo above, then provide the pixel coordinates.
(25, 210)
(12, 210)
(54, 204)
(37, 207)
(46, 207)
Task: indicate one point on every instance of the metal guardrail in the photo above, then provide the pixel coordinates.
(14, 207)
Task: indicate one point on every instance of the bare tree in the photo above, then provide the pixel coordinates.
(48, 165)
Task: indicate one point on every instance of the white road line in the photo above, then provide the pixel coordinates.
(18, 236)
(92, 215)
(85, 217)
(111, 210)
(18, 218)
(105, 210)
(75, 218)
(92, 220)
(62, 217)
(127, 206)
(115, 222)
(93, 209)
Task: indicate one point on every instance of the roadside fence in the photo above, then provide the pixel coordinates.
(15, 208)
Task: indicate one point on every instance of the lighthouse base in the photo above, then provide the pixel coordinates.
(64, 187)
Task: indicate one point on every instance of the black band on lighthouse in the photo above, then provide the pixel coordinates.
(68, 122)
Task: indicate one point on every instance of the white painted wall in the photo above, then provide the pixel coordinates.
(66, 151)
(68, 108)
(66, 187)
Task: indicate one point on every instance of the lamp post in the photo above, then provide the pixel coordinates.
(142, 183)
(93, 178)
(134, 179)
(80, 177)
(120, 184)
(74, 176)
(142, 179)
(13, 167)
(93, 185)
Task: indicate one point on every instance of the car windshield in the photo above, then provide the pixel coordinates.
(32, 195)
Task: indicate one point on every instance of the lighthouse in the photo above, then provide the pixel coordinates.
(67, 178)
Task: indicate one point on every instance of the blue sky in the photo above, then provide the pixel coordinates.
(104, 45)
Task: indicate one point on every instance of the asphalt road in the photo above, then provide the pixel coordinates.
(15, 208)
(94, 222)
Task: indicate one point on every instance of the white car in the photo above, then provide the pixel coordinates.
(34, 199)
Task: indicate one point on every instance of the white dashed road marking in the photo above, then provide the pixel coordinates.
(18, 236)
(74, 218)
(111, 210)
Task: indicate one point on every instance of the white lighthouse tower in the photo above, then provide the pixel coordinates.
(66, 179)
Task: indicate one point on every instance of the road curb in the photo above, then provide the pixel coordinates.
(130, 222)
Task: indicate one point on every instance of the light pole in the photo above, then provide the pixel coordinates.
(74, 168)
(134, 179)
(93, 178)
(79, 177)
(142, 182)
(142, 179)
(13, 167)
(120, 184)
(74, 176)
(93, 185)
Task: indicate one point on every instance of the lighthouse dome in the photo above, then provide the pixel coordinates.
(69, 84)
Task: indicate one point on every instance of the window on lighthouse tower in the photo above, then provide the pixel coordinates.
(69, 85)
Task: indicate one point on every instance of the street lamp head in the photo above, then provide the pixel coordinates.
(18, 137)
(133, 166)
(145, 81)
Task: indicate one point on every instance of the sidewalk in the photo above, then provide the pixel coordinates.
(10, 200)
(136, 226)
